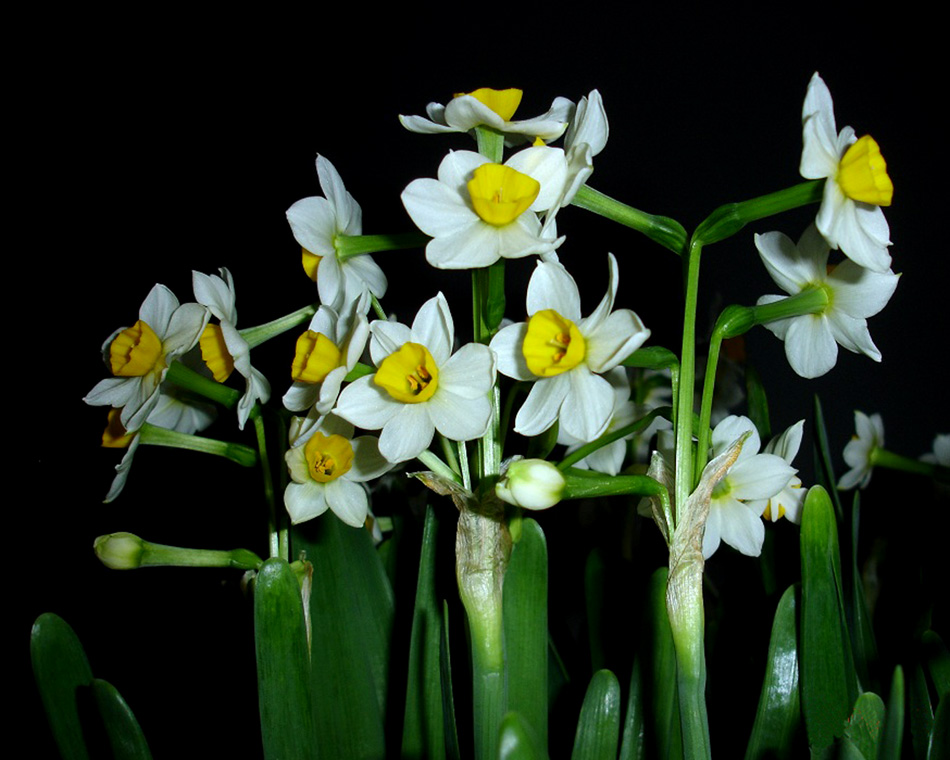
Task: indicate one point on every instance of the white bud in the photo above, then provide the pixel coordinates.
(531, 484)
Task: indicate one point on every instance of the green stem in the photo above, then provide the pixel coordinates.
(439, 467)
(683, 465)
(257, 335)
(159, 436)
(278, 538)
(589, 448)
(126, 551)
(667, 232)
(348, 246)
(187, 378)
(377, 307)
(883, 458)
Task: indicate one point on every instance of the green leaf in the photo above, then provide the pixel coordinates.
(632, 740)
(862, 634)
(921, 713)
(824, 469)
(894, 723)
(351, 614)
(778, 714)
(598, 728)
(940, 736)
(652, 357)
(595, 582)
(525, 615)
(122, 729)
(518, 741)
(448, 698)
(938, 662)
(866, 724)
(661, 710)
(283, 666)
(495, 310)
(829, 686)
(757, 402)
(61, 670)
(423, 726)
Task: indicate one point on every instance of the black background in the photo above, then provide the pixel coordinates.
(147, 146)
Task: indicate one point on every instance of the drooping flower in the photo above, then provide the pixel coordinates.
(494, 109)
(316, 223)
(139, 356)
(586, 137)
(566, 354)
(858, 452)
(420, 386)
(222, 347)
(856, 186)
(739, 499)
(789, 500)
(328, 467)
(477, 212)
(853, 294)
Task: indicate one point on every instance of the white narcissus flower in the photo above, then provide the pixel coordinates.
(790, 500)
(856, 186)
(328, 467)
(139, 356)
(566, 354)
(222, 347)
(740, 497)
(854, 294)
(940, 454)
(869, 435)
(316, 223)
(420, 386)
(477, 212)
(586, 137)
(490, 108)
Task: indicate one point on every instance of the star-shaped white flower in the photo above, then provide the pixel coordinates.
(789, 501)
(586, 137)
(328, 467)
(869, 435)
(222, 347)
(477, 212)
(316, 223)
(857, 185)
(854, 294)
(139, 356)
(567, 355)
(739, 499)
(420, 386)
(494, 109)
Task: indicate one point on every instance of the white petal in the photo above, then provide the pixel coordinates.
(586, 411)
(853, 335)
(507, 345)
(304, 501)
(810, 346)
(388, 337)
(213, 292)
(615, 339)
(606, 304)
(458, 418)
(551, 287)
(435, 208)
(741, 528)
(472, 247)
(433, 328)
(348, 501)
(367, 405)
(541, 408)
(470, 372)
(368, 463)
(346, 210)
(407, 434)
(313, 224)
(788, 265)
(546, 165)
(861, 292)
(158, 308)
(729, 430)
(362, 273)
(759, 477)
(466, 112)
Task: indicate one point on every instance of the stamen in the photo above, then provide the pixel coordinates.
(409, 374)
(328, 457)
(552, 344)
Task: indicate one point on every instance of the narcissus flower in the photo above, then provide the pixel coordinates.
(858, 452)
(585, 138)
(530, 484)
(856, 186)
(477, 212)
(316, 223)
(139, 356)
(740, 497)
(940, 454)
(420, 386)
(328, 467)
(494, 109)
(853, 294)
(566, 354)
(222, 347)
(788, 502)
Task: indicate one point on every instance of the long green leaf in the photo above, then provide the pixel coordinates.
(632, 740)
(866, 724)
(779, 711)
(525, 600)
(61, 671)
(122, 729)
(661, 710)
(448, 696)
(283, 666)
(862, 634)
(598, 728)
(757, 402)
(824, 468)
(595, 582)
(423, 727)
(894, 722)
(518, 741)
(829, 686)
(921, 713)
(351, 613)
(940, 736)
(938, 662)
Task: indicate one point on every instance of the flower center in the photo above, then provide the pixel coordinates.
(409, 374)
(502, 102)
(115, 435)
(310, 263)
(501, 194)
(316, 356)
(722, 488)
(862, 174)
(215, 353)
(328, 457)
(135, 351)
(552, 344)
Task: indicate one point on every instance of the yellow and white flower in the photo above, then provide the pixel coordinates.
(139, 356)
(316, 223)
(566, 354)
(328, 467)
(222, 347)
(420, 386)
(477, 212)
(788, 502)
(486, 107)
(856, 186)
(859, 451)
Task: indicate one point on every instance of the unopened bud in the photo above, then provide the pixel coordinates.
(120, 551)
(531, 484)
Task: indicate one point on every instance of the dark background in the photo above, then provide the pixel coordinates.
(178, 142)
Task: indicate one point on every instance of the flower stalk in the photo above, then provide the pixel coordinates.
(661, 229)
(159, 436)
(126, 551)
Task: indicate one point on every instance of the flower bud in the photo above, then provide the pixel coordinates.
(120, 551)
(531, 484)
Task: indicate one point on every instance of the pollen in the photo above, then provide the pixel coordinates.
(409, 375)
(501, 194)
(502, 102)
(214, 352)
(136, 351)
(328, 457)
(862, 174)
(316, 356)
(553, 344)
